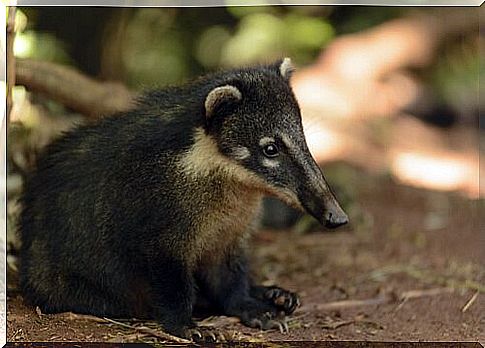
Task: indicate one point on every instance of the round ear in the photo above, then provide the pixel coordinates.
(286, 68)
(219, 96)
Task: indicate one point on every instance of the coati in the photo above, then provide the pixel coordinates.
(145, 212)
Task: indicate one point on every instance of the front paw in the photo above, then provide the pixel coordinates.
(201, 334)
(282, 299)
(264, 320)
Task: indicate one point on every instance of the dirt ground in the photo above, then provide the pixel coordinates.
(409, 268)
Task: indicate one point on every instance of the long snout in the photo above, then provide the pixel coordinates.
(317, 198)
(334, 215)
(323, 206)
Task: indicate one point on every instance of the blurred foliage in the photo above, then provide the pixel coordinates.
(43, 46)
(266, 36)
(352, 19)
(161, 54)
(161, 46)
(148, 47)
(38, 45)
(455, 76)
(145, 47)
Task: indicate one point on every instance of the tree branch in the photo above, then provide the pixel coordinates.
(73, 89)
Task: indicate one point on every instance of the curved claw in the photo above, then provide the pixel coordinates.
(212, 336)
(203, 335)
(292, 304)
(284, 299)
(282, 326)
(287, 329)
(266, 322)
(196, 332)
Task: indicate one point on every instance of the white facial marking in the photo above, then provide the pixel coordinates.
(266, 141)
(286, 67)
(286, 139)
(204, 158)
(241, 153)
(270, 163)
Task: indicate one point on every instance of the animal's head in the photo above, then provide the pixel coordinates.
(255, 120)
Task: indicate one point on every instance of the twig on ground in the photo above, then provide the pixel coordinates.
(470, 301)
(424, 293)
(384, 299)
(421, 293)
(128, 338)
(149, 331)
(353, 303)
(141, 329)
(74, 316)
(336, 324)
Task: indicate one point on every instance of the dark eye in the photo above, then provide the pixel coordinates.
(270, 150)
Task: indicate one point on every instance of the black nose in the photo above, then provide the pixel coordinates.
(333, 220)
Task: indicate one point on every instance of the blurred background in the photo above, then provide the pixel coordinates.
(390, 104)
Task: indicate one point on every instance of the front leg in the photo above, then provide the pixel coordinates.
(282, 299)
(173, 294)
(173, 289)
(227, 286)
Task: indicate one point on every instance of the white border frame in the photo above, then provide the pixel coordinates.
(138, 3)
